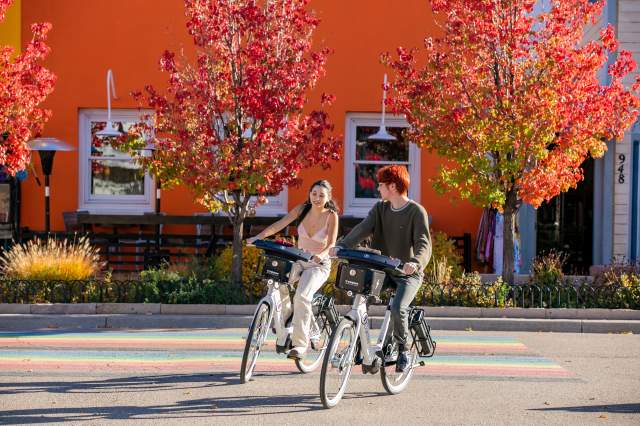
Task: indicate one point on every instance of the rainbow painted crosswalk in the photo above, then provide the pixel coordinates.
(221, 350)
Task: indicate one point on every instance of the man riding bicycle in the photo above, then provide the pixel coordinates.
(398, 227)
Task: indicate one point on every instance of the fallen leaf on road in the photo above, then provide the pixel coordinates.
(602, 416)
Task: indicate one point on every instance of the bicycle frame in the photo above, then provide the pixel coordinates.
(273, 299)
(359, 315)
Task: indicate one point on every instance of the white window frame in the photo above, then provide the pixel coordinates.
(114, 204)
(360, 207)
(276, 206)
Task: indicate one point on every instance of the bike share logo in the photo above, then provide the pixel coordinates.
(350, 283)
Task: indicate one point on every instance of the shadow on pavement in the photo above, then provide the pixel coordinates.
(608, 408)
(145, 383)
(208, 407)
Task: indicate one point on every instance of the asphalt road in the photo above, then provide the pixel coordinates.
(190, 377)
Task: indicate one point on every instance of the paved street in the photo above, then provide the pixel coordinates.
(169, 377)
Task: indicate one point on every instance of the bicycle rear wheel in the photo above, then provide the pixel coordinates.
(256, 338)
(394, 382)
(320, 334)
(338, 363)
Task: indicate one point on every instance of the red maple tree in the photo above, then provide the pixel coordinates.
(24, 85)
(512, 100)
(233, 123)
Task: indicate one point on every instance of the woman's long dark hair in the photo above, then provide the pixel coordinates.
(331, 205)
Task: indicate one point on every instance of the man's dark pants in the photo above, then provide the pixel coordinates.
(407, 287)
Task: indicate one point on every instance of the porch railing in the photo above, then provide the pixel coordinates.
(131, 243)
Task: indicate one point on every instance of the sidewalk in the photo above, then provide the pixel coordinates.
(160, 316)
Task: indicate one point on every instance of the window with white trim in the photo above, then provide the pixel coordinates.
(276, 204)
(363, 158)
(110, 181)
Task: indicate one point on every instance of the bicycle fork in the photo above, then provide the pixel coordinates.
(272, 298)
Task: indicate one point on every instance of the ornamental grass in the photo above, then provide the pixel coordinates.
(51, 260)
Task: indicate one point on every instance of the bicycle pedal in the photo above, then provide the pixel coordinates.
(283, 349)
(371, 369)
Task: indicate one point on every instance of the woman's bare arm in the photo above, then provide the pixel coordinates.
(279, 225)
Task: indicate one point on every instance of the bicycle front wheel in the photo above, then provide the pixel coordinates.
(395, 382)
(256, 338)
(319, 335)
(338, 363)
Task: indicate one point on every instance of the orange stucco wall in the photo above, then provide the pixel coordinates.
(10, 27)
(128, 36)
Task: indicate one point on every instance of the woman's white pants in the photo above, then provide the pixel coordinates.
(312, 277)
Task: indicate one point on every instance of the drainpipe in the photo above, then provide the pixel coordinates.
(635, 189)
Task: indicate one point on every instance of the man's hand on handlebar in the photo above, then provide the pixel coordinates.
(409, 268)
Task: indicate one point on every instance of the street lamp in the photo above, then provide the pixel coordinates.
(47, 148)
(382, 135)
(148, 151)
(109, 130)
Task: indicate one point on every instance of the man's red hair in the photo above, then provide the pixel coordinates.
(397, 175)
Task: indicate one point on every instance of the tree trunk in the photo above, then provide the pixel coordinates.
(238, 215)
(510, 211)
(236, 260)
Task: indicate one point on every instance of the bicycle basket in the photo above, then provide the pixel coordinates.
(359, 279)
(276, 268)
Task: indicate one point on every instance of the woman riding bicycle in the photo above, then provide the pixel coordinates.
(317, 233)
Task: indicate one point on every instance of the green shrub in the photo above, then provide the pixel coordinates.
(547, 269)
(548, 286)
(251, 257)
(465, 290)
(617, 286)
(195, 282)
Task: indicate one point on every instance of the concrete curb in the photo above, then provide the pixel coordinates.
(376, 310)
(136, 321)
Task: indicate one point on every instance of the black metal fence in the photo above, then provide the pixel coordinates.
(208, 291)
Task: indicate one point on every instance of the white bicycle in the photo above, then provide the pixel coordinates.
(363, 275)
(278, 262)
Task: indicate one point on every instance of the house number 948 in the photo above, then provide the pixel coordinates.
(621, 159)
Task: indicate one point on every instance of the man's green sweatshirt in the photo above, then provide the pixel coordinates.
(403, 234)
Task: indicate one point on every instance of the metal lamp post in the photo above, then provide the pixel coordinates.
(149, 151)
(109, 130)
(47, 148)
(382, 135)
